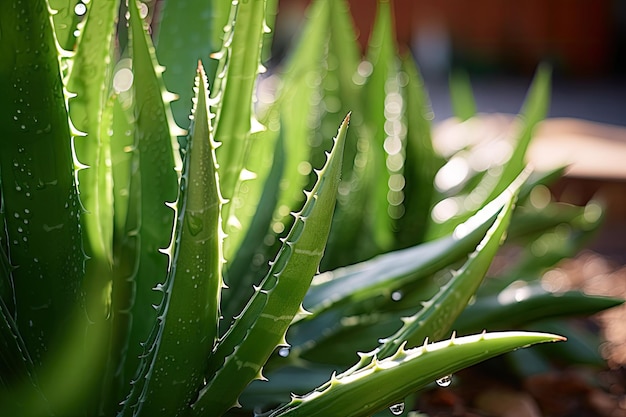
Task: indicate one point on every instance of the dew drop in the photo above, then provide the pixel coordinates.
(80, 9)
(396, 295)
(195, 224)
(143, 10)
(445, 381)
(397, 409)
(123, 80)
(283, 352)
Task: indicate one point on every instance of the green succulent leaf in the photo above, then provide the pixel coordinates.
(16, 366)
(534, 110)
(357, 394)
(284, 382)
(119, 121)
(4, 246)
(539, 178)
(421, 162)
(521, 304)
(114, 301)
(154, 183)
(188, 30)
(89, 80)
(135, 277)
(261, 326)
(382, 90)
(172, 371)
(530, 222)
(37, 171)
(301, 83)
(235, 120)
(461, 95)
(393, 270)
(19, 379)
(65, 20)
(6, 284)
(549, 247)
(240, 134)
(495, 180)
(342, 91)
(439, 312)
(357, 303)
(248, 265)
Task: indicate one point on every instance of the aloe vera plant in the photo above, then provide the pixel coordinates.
(151, 270)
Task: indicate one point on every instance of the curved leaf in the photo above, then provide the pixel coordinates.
(382, 383)
(438, 314)
(368, 278)
(521, 304)
(495, 180)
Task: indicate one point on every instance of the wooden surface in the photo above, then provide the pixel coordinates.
(592, 150)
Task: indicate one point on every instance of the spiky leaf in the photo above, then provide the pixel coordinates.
(261, 326)
(176, 353)
(359, 394)
(36, 168)
(154, 184)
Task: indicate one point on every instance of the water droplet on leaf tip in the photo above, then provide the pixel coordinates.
(397, 409)
(283, 352)
(444, 381)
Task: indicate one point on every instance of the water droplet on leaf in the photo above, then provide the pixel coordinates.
(143, 10)
(397, 409)
(445, 381)
(283, 352)
(195, 224)
(80, 9)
